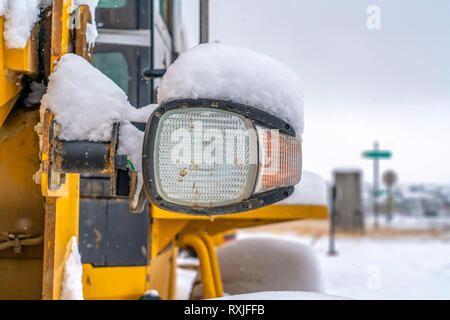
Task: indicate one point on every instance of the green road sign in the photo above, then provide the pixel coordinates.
(382, 154)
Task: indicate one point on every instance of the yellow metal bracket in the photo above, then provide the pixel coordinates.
(62, 206)
(209, 268)
(199, 232)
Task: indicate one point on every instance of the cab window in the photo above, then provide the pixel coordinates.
(109, 4)
(115, 66)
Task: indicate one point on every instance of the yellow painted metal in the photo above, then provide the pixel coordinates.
(62, 205)
(24, 60)
(201, 232)
(162, 273)
(5, 109)
(206, 272)
(60, 42)
(162, 233)
(213, 261)
(10, 81)
(20, 273)
(218, 224)
(114, 283)
(131, 283)
(66, 226)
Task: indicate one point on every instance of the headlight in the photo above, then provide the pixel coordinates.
(216, 157)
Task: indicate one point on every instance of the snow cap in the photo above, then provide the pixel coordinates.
(225, 72)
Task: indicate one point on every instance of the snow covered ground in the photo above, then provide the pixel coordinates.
(414, 222)
(367, 268)
(408, 268)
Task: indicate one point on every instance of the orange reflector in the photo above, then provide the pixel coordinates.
(280, 159)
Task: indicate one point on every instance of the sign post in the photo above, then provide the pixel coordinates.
(389, 179)
(376, 154)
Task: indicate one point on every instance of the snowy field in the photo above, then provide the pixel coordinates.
(368, 268)
(403, 222)
(382, 269)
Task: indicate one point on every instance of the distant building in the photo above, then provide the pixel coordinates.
(349, 215)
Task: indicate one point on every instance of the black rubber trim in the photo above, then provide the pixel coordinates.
(253, 113)
(258, 116)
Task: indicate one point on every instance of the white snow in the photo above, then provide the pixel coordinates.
(282, 295)
(226, 72)
(91, 30)
(131, 141)
(3, 6)
(312, 190)
(261, 264)
(406, 268)
(141, 114)
(417, 223)
(37, 91)
(91, 34)
(72, 286)
(21, 15)
(184, 282)
(86, 103)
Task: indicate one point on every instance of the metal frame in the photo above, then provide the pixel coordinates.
(254, 202)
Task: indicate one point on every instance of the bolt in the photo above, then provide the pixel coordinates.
(62, 178)
(57, 128)
(37, 176)
(39, 128)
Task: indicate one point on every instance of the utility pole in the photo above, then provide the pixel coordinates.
(331, 247)
(376, 154)
(204, 21)
(376, 184)
(389, 179)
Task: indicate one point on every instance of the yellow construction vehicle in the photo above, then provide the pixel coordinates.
(50, 193)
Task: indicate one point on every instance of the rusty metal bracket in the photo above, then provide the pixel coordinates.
(59, 157)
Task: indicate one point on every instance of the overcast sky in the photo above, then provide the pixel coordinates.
(391, 85)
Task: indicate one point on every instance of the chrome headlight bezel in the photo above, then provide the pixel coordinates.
(257, 116)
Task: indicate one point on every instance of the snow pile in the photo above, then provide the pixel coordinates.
(255, 265)
(312, 190)
(184, 283)
(365, 268)
(72, 286)
(227, 72)
(282, 295)
(21, 15)
(86, 103)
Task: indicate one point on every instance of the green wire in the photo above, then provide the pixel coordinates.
(131, 164)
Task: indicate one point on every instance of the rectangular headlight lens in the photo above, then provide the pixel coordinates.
(204, 157)
(280, 160)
